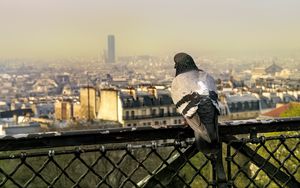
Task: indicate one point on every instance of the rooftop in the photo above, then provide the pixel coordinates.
(145, 99)
(241, 98)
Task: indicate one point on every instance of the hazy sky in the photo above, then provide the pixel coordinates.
(66, 28)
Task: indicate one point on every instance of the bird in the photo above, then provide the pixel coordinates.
(194, 94)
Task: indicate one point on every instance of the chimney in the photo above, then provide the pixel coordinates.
(222, 98)
(131, 91)
(153, 91)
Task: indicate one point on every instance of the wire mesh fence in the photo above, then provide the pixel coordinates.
(117, 165)
(272, 161)
(267, 160)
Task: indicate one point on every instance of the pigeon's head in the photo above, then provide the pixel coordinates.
(184, 63)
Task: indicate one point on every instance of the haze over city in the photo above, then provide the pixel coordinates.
(140, 93)
(64, 29)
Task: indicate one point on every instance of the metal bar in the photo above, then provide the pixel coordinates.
(259, 126)
(118, 135)
(165, 174)
(228, 159)
(90, 137)
(214, 171)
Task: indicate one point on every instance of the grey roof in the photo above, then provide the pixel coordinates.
(240, 98)
(144, 99)
(276, 99)
(242, 103)
(266, 102)
(273, 68)
(288, 98)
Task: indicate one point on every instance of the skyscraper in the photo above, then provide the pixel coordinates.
(111, 49)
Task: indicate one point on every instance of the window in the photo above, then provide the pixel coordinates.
(132, 113)
(149, 123)
(143, 112)
(161, 112)
(175, 121)
(174, 110)
(126, 114)
(246, 104)
(128, 124)
(134, 124)
(240, 106)
(255, 105)
(233, 107)
(165, 122)
(153, 112)
(179, 121)
(156, 123)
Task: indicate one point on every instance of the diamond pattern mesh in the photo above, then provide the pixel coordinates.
(111, 165)
(267, 161)
(278, 167)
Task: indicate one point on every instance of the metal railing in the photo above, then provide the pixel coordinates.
(255, 153)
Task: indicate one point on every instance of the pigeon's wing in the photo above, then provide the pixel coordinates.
(181, 92)
(188, 89)
(208, 115)
(212, 89)
(195, 123)
(191, 91)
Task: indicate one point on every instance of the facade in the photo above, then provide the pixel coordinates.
(244, 106)
(111, 49)
(43, 109)
(110, 107)
(76, 110)
(133, 107)
(63, 110)
(48, 86)
(85, 109)
(88, 103)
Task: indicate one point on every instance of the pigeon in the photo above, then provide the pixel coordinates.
(194, 94)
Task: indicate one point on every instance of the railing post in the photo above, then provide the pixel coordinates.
(218, 172)
(212, 159)
(228, 159)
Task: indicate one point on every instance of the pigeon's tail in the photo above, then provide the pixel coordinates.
(209, 119)
(204, 146)
(208, 115)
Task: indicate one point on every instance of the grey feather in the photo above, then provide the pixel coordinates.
(193, 93)
(189, 82)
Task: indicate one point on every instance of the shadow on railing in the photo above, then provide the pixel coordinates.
(256, 153)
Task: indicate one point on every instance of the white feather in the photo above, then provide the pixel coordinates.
(189, 82)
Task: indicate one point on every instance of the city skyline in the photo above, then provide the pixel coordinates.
(54, 29)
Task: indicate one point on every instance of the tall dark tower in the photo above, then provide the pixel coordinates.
(111, 49)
